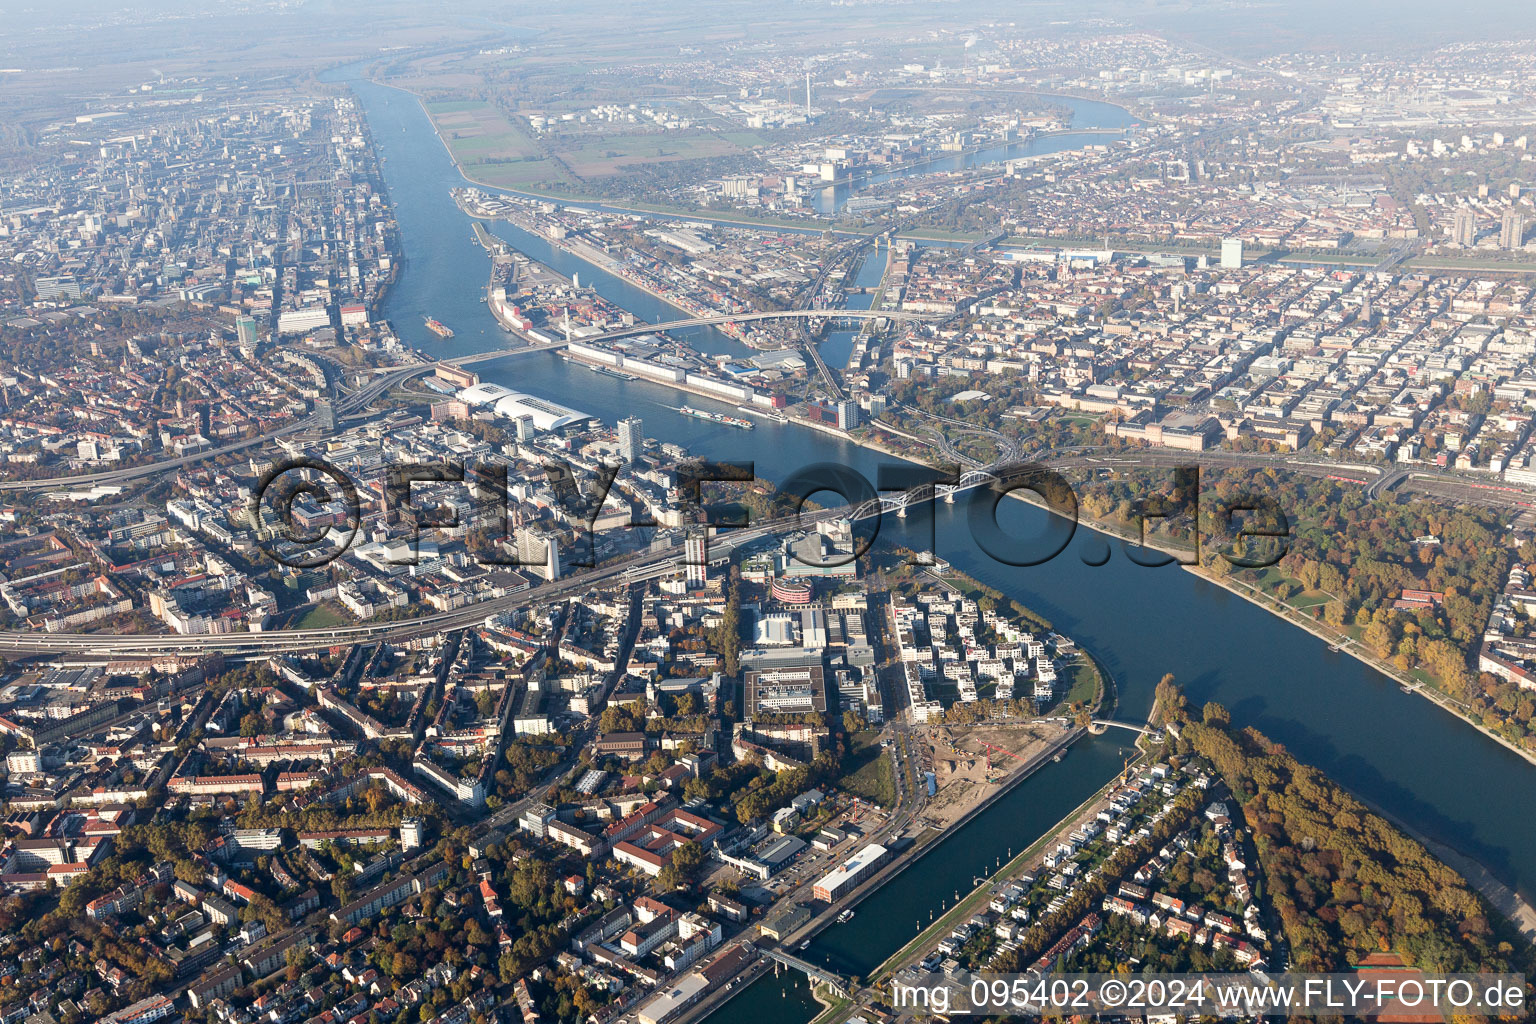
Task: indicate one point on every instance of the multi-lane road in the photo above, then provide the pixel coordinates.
(295, 640)
(662, 561)
(262, 644)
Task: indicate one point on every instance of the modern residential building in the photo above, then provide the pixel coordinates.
(1231, 254)
(1512, 230)
(1464, 227)
(696, 557)
(842, 880)
(245, 332)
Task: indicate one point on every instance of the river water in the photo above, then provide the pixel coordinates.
(1398, 751)
(1101, 121)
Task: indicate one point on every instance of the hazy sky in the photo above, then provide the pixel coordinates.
(1246, 28)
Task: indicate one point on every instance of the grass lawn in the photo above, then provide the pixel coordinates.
(478, 130)
(867, 772)
(323, 616)
(1271, 580)
(455, 106)
(1084, 681)
(746, 140)
(514, 174)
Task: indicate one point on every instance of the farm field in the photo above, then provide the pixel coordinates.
(489, 147)
(601, 157)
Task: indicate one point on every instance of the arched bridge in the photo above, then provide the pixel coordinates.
(1102, 724)
(355, 402)
(716, 319)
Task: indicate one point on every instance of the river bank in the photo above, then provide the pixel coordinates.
(600, 260)
(823, 221)
(1344, 644)
(924, 841)
(968, 904)
(1495, 891)
(921, 846)
(1336, 641)
(1515, 908)
(598, 202)
(1336, 713)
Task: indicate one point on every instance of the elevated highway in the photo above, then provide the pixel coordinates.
(104, 646)
(1385, 482)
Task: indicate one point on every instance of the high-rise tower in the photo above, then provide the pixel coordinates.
(631, 439)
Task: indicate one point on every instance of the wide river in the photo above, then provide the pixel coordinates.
(1398, 751)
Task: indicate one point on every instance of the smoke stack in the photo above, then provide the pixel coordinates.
(807, 94)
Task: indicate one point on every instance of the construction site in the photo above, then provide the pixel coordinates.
(969, 761)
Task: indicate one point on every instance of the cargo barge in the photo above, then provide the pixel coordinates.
(715, 417)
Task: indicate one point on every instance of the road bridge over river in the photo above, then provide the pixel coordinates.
(818, 975)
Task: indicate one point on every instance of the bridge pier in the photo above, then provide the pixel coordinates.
(813, 974)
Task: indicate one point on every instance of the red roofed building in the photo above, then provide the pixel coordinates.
(217, 784)
(488, 897)
(237, 892)
(650, 849)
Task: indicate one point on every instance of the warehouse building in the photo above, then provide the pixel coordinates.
(842, 880)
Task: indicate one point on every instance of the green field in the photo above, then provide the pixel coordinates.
(867, 772)
(603, 157)
(494, 149)
(1271, 579)
(746, 140)
(515, 174)
(489, 147)
(1084, 681)
(455, 106)
(323, 616)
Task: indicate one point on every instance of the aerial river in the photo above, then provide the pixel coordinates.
(1395, 750)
